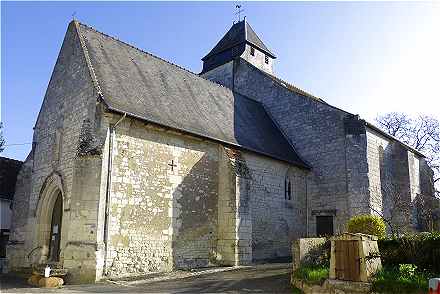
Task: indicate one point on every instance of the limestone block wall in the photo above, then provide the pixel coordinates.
(227, 212)
(70, 100)
(356, 163)
(318, 133)
(396, 177)
(19, 229)
(379, 168)
(275, 221)
(221, 74)
(414, 174)
(163, 207)
(258, 59)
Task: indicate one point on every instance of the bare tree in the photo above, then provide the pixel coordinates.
(2, 139)
(421, 133)
(389, 202)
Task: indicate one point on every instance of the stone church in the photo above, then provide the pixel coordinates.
(139, 165)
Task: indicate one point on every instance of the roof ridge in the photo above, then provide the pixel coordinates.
(152, 55)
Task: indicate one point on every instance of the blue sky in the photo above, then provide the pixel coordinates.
(365, 57)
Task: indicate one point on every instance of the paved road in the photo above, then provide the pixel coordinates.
(253, 280)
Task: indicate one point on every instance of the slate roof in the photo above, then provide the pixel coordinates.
(149, 88)
(9, 169)
(241, 32)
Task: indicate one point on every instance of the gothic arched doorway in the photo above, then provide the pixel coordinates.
(49, 216)
(55, 229)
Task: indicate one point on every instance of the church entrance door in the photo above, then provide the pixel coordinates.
(55, 229)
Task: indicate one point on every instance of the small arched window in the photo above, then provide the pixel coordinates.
(287, 189)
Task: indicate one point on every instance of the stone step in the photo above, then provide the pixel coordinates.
(56, 269)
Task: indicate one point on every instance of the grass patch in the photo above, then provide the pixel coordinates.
(400, 280)
(312, 274)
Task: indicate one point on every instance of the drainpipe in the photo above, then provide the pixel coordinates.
(108, 188)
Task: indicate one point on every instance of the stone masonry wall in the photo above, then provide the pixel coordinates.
(221, 74)
(164, 201)
(69, 101)
(258, 59)
(276, 221)
(16, 250)
(318, 133)
(356, 163)
(379, 168)
(395, 180)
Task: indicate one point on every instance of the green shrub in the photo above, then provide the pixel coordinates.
(312, 274)
(422, 250)
(403, 279)
(367, 224)
(407, 270)
(318, 255)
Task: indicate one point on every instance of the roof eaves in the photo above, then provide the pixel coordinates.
(223, 50)
(199, 135)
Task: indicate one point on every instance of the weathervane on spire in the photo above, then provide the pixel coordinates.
(239, 11)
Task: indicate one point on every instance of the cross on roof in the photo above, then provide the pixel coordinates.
(239, 11)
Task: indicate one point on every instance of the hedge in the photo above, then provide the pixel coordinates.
(367, 224)
(422, 250)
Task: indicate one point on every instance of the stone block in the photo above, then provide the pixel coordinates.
(51, 282)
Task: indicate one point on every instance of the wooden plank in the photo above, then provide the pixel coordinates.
(338, 266)
(341, 257)
(357, 262)
(349, 261)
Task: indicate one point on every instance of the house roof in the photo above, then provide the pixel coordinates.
(146, 87)
(241, 32)
(9, 169)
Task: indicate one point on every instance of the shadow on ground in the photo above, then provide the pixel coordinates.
(240, 281)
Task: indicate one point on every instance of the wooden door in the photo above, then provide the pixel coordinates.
(55, 230)
(347, 259)
(324, 225)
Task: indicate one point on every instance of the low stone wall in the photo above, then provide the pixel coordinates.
(333, 287)
(304, 249)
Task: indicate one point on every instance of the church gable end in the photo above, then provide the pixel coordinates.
(69, 101)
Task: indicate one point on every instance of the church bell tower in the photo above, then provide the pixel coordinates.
(240, 41)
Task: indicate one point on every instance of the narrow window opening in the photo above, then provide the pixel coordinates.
(287, 189)
(252, 51)
(266, 59)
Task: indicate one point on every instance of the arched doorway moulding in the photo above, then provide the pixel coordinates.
(52, 187)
